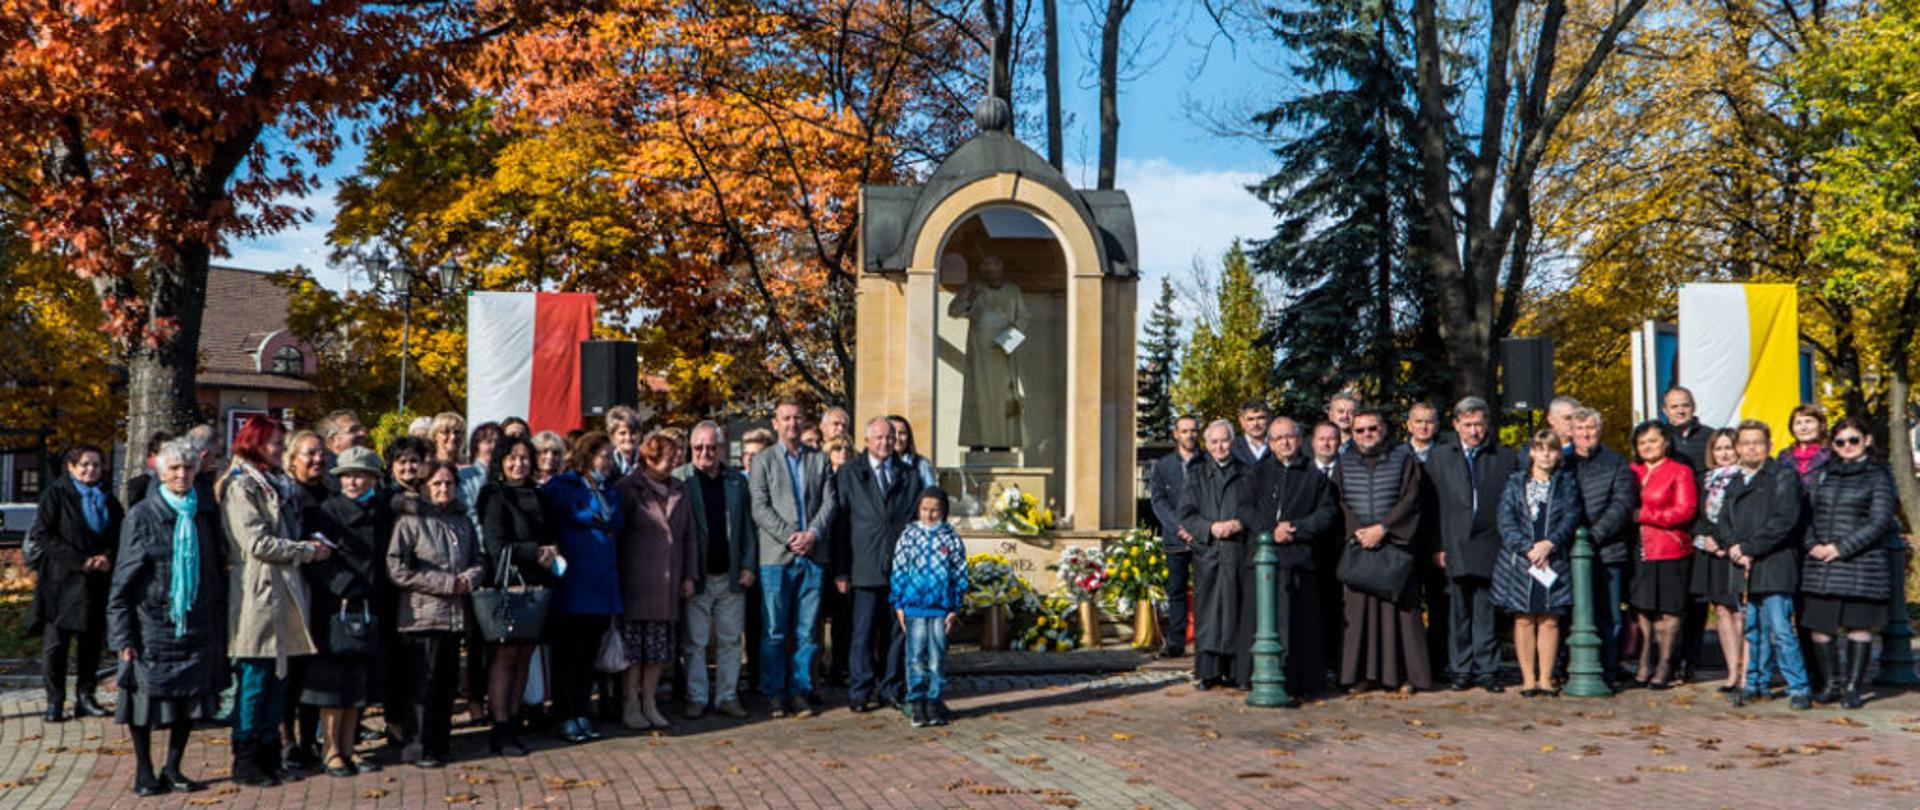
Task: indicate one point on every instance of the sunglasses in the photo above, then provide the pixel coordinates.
(1368, 429)
(1849, 441)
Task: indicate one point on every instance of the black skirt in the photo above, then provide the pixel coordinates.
(1716, 580)
(1660, 586)
(335, 681)
(1827, 614)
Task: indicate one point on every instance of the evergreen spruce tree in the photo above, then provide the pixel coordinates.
(1158, 358)
(1355, 314)
(1226, 362)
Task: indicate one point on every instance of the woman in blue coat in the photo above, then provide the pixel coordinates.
(1538, 513)
(583, 511)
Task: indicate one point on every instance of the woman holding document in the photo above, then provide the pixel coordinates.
(1538, 512)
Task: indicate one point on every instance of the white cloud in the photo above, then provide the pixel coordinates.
(305, 244)
(1182, 214)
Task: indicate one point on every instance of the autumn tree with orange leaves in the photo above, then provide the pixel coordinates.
(740, 134)
(137, 138)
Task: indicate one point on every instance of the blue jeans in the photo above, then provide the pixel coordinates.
(259, 701)
(792, 602)
(926, 656)
(1771, 636)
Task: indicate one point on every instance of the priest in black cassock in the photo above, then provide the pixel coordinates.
(1218, 502)
(1297, 507)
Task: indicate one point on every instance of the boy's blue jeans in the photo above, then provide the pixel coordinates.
(926, 656)
(1771, 638)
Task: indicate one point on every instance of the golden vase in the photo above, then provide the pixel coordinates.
(994, 635)
(1146, 625)
(1089, 625)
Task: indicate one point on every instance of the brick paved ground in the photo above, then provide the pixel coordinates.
(1092, 740)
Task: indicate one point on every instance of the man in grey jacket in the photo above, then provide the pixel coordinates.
(792, 489)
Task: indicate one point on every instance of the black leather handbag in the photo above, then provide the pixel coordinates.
(349, 634)
(511, 613)
(1382, 571)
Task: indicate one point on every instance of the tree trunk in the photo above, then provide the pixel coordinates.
(161, 371)
(1900, 449)
(1110, 89)
(1000, 81)
(1050, 12)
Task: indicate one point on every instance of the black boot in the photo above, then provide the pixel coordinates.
(516, 748)
(1827, 653)
(496, 737)
(246, 764)
(87, 706)
(268, 757)
(1859, 653)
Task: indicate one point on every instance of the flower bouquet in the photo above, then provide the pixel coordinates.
(1019, 513)
(1046, 629)
(1083, 573)
(1136, 578)
(993, 590)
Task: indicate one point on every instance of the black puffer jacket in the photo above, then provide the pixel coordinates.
(169, 662)
(1853, 504)
(1609, 498)
(1764, 518)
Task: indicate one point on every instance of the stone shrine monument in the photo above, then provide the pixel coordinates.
(995, 310)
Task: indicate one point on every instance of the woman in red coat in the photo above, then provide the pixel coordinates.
(1668, 501)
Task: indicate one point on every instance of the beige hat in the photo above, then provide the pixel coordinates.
(357, 460)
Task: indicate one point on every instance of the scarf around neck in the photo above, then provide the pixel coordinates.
(93, 505)
(184, 588)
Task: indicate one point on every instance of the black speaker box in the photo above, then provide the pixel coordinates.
(1526, 373)
(609, 375)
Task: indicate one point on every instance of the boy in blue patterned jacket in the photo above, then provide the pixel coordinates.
(929, 586)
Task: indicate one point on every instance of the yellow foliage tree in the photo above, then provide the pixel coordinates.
(56, 365)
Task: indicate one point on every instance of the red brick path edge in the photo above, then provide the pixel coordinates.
(1127, 744)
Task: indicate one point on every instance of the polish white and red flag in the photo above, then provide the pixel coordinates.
(523, 357)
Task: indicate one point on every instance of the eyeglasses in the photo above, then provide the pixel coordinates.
(1367, 429)
(1849, 441)
(706, 447)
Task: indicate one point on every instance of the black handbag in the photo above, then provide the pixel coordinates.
(348, 634)
(509, 612)
(1381, 572)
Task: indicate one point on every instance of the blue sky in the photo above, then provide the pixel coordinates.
(1187, 181)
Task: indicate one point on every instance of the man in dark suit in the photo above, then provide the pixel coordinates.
(729, 563)
(1164, 484)
(877, 496)
(1295, 505)
(1468, 479)
(1252, 444)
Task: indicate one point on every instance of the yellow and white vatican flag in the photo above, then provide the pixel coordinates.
(1740, 353)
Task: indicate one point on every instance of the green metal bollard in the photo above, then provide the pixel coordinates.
(1896, 638)
(1269, 678)
(1583, 647)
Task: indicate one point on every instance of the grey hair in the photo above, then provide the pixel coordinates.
(549, 440)
(1219, 423)
(882, 421)
(707, 424)
(1346, 396)
(183, 450)
(1469, 405)
(1585, 414)
(1563, 401)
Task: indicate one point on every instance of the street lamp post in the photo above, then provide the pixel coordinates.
(401, 275)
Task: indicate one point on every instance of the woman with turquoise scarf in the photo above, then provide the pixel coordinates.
(167, 617)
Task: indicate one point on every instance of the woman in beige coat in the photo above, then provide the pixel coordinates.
(267, 597)
(434, 561)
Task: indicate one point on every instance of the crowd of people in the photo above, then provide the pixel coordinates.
(297, 579)
(1400, 561)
